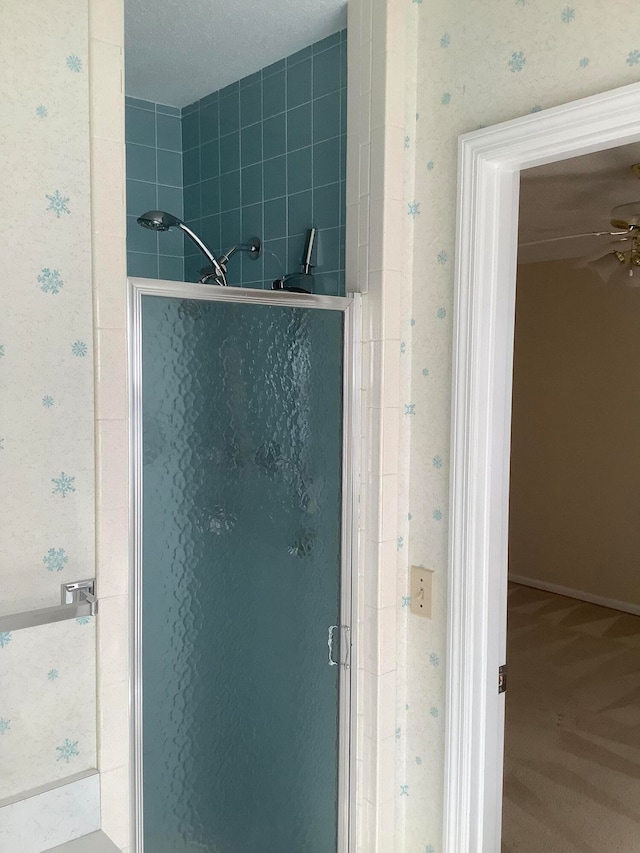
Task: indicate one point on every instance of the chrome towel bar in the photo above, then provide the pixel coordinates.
(78, 599)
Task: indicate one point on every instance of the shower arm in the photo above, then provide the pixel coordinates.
(252, 247)
(218, 266)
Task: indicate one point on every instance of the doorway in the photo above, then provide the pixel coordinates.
(243, 573)
(489, 177)
(572, 771)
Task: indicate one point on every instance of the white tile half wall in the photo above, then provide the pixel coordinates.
(379, 258)
(50, 816)
(106, 95)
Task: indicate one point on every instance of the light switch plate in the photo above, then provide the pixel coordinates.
(421, 591)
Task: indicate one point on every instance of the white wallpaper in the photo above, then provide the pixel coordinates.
(479, 63)
(47, 704)
(46, 389)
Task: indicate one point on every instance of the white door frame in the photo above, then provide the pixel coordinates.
(490, 161)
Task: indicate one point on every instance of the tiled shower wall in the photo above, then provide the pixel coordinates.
(263, 157)
(266, 157)
(154, 181)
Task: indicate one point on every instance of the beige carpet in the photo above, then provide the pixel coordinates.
(572, 746)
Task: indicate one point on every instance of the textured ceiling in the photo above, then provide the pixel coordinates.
(180, 50)
(573, 197)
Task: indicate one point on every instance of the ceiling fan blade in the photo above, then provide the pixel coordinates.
(573, 237)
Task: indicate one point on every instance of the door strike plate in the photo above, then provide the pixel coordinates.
(502, 678)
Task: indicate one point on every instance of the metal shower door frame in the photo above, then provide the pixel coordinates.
(350, 307)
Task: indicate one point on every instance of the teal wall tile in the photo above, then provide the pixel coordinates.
(171, 199)
(300, 212)
(251, 270)
(169, 168)
(230, 152)
(275, 177)
(165, 109)
(171, 268)
(230, 233)
(142, 265)
(299, 170)
(210, 160)
(229, 112)
(141, 196)
(191, 130)
(274, 93)
(210, 197)
(252, 221)
(326, 206)
(299, 83)
(171, 243)
(251, 104)
(209, 128)
(169, 132)
(139, 104)
(230, 191)
(299, 127)
(326, 162)
(192, 266)
(191, 166)
(300, 56)
(329, 284)
(295, 251)
(210, 232)
(327, 256)
(252, 184)
(250, 80)
(251, 145)
(326, 117)
(275, 218)
(274, 133)
(329, 41)
(326, 72)
(274, 68)
(192, 206)
(275, 260)
(141, 163)
(140, 126)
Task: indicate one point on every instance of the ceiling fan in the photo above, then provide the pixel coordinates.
(621, 262)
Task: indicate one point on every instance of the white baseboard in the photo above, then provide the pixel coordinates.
(51, 815)
(611, 603)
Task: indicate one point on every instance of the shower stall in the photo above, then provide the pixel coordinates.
(243, 455)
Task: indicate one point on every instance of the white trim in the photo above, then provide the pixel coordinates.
(50, 815)
(487, 233)
(351, 308)
(590, 598)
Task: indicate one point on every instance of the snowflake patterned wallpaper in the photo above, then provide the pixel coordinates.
(479, 63)
(47, 701)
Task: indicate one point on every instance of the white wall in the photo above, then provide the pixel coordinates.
(575, 456)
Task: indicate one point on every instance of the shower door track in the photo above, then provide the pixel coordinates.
(350, 307)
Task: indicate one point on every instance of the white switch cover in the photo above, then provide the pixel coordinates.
(421, 591)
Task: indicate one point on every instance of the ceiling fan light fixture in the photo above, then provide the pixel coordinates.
(626, 216)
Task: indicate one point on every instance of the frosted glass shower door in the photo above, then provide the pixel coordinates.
(241, 577)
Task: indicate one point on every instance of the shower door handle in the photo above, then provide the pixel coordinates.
(346, 630)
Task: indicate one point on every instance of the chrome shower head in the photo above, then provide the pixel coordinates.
(158, 220)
